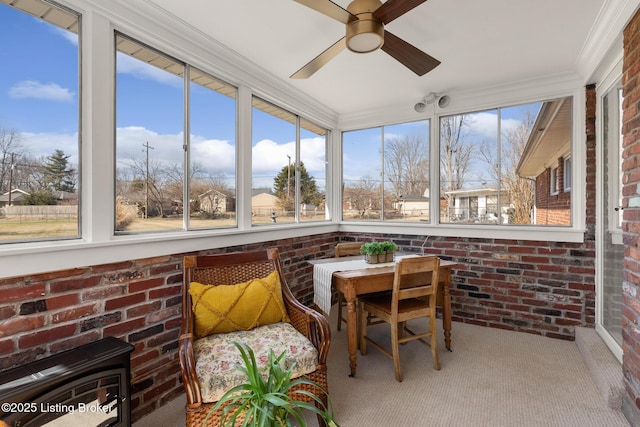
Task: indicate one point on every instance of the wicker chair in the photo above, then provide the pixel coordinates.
(345, 249)
(232, 269)
(415, 289)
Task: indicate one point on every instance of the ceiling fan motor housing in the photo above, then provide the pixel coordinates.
(365, 34)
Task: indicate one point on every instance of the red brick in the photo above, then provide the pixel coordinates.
(143, 309)
(73, 313)
(123, 328)
(53, 275)
(143, 285)
(162, 388)
(102, 292)
(7, 312)
(75, 341)
(21, 324)
(165, 292)
(46, 336)
(6, 346)
(164, 314)
(62, 301)
(20, 293)
(109, 268)
(144, 358)
(74, 284)
(112, 304)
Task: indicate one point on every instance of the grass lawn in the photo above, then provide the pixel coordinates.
(12, 229)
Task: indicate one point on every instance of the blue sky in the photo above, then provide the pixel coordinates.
(38, 87)
(39, 99)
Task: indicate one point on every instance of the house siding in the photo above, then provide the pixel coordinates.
(552, 209)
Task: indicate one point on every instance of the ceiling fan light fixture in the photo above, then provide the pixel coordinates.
(365, 35)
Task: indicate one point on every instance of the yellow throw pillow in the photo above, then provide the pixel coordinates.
(228, 308)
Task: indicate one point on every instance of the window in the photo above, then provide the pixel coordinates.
(39, 122)
(313, 160)
(494, 165)
(212, 152)
(152, 144)
(566, 174)
(386, 173)
(149, 140)
(553, 181)
(288, 167)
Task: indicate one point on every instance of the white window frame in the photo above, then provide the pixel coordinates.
(553, 181)
(566, 174)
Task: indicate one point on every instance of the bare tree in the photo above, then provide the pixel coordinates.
(406, 160)
(455, 154)
(10, 153)
(363, 196)
(521, 190)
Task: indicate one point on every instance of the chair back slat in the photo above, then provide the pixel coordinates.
(348, 248)
(415, 277)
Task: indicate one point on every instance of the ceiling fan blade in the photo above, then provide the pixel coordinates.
(319, 61)
(408, 55)
(329, 8)
(393, 9)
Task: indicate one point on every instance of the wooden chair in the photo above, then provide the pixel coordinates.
(345, 249)
(232, 269)
(415, 289)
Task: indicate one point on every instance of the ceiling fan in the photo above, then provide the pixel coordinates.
(365, 21)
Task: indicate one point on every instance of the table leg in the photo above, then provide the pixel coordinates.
(352, 332)
(446, 309)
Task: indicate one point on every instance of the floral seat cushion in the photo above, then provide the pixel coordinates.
(217, 358)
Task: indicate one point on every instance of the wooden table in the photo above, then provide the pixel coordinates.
(357, 282)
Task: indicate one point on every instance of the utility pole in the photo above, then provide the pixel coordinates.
(146, 181)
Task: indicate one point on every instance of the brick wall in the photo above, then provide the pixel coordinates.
(631, 220)
(552, 208)
(537, 287)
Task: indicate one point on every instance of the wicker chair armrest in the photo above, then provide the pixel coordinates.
(188, 370)
(311, 324)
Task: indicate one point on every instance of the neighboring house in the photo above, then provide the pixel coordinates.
(66, 198)
(475, 205)
(546, 159)
(17, 197)
(214, 201)
(264, 204)
(413, 205)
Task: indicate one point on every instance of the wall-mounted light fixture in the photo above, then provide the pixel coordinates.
(440, 100)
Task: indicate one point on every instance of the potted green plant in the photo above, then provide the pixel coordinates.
(388, 248)
(265, 402)
(372, 251)
(377, 252)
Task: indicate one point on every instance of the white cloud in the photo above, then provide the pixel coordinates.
(131, 143)
(313, 155)
(37, 90)
(69, 36)
(45, 144)
(269, 157)
(484, 125)
(213, 154)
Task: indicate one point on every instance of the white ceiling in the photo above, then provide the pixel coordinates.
(480, 43)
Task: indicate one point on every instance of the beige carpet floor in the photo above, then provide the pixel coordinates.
(491, 378)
